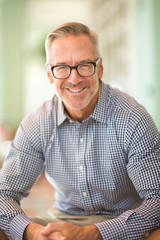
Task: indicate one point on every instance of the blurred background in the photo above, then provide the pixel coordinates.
(129, 36)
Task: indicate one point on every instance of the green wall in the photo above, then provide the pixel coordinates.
(156, 17)
(147, 51)
(11, 61)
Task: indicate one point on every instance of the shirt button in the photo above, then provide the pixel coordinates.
(81, 140)
(71, 121)
(84, 194)
(81, 167)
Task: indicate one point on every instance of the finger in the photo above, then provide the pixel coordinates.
(51, 227)
(56, 236)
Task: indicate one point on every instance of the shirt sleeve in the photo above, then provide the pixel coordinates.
(18, 225)
(143, 150)
(20, 170)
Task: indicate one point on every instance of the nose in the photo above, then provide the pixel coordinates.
(74, 77)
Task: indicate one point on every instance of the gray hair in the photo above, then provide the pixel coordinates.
(73, 28)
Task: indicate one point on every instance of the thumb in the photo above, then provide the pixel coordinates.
(54, 229)
(50, 228)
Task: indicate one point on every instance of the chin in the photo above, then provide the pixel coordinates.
(77, 106)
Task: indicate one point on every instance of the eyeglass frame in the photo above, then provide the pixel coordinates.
(74, 67)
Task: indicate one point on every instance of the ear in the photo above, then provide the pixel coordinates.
(49, 74)
(100, 70)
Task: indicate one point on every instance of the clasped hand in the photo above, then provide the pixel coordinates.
(61, 231)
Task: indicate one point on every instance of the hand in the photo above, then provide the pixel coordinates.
(155, 235)
(33, 232)
(65, 231)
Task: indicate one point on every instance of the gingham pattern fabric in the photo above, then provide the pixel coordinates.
(108, 164)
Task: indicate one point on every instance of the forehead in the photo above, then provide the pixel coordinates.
(72, 47)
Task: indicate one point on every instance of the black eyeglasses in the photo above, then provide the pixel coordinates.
(85, 69)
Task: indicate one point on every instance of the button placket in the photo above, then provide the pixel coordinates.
(82, 175)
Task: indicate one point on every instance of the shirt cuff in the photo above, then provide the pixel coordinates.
(18, 225)
(129, 225)
(112, 229)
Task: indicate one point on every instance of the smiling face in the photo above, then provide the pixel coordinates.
(79, 94)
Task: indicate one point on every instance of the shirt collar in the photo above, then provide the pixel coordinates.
(99, 113)
(61, 112)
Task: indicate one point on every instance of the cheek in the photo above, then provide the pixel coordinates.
(58, 87)
(96, 80)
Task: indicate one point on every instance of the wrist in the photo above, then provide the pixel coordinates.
(93, 233)
(27, 231)
(32, 231)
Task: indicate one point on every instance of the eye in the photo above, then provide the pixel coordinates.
(85, 66)
(61, 68)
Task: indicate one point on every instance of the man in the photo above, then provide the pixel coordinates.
(99, 147)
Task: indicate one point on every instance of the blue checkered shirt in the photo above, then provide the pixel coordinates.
(107, 164)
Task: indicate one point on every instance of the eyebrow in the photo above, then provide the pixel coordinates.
(83, 61)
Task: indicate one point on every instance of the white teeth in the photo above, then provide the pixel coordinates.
(75, 91)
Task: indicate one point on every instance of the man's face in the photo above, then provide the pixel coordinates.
(76, 92)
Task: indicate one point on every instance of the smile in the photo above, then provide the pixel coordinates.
(76, 90)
